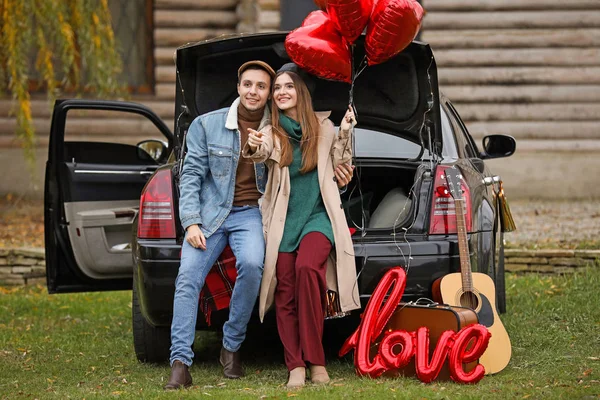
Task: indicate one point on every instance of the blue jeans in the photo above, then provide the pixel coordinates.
(243, 230)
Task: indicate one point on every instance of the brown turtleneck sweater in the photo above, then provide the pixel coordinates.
(246, 192)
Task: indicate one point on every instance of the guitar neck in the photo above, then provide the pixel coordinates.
(463, 245)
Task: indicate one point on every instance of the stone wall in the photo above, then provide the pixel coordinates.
(26, 266)
(22, 267)
(549, 261)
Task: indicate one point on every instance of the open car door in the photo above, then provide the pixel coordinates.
(100, 156)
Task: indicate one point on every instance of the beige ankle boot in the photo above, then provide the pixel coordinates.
(297, 377)
(318, 374)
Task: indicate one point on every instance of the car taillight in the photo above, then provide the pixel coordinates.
(443, 210)
(156, 219)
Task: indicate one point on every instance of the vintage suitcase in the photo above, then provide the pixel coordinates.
(438, 318)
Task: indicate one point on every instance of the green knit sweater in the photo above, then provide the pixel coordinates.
(306, 212)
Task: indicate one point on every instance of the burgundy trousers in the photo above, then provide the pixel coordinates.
(300, 300)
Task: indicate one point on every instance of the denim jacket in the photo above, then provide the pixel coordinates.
(207, 181)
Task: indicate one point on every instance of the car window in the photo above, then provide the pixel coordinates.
(109, 137)
(448, 137)
(371, 143)
(466, 142)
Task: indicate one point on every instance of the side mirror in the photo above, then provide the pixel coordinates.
(498, 146)
(151, 150)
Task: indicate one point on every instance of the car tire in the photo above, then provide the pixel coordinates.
(151, 343)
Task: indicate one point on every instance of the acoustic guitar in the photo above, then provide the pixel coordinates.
(473, 289)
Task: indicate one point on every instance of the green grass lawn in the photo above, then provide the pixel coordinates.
(80, 346)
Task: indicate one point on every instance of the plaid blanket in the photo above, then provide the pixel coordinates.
(216, 293)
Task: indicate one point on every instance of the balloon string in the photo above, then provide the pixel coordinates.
(351, 94)
(361, 67)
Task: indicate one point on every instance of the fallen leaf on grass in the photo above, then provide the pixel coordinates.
(587, 372)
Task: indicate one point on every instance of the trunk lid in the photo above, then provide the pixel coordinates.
(399, 96)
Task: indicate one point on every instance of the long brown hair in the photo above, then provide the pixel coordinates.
(308, 122)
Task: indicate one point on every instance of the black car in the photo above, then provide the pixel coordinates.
(111, 209)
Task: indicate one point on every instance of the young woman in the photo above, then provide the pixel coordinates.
(309, 249)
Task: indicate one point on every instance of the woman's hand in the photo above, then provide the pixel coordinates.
(255, 139)
(343, 174)
(348, 121)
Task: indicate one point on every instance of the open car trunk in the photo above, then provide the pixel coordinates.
(382, 196)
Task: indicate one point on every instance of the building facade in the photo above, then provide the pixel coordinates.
(527, 68)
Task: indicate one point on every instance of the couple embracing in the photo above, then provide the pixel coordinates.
(269, 145)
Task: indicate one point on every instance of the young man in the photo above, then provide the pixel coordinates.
(219, 206)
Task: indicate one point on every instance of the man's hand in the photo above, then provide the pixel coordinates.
(344, 174)
(255, 139)
(195, 237)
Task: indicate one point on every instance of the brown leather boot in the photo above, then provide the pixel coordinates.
(232, 364)
(180, 377)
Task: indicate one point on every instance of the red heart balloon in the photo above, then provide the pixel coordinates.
(393, 25)
(318, 48)
(350, 16)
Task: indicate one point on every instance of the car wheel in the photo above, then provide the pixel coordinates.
(152, 344)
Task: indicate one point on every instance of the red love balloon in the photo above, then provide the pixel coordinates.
(393, 25)
(398, 347)
(460, 354)
(318, 48)
(350, 16)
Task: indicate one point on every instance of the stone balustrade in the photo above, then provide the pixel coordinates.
(26, 266)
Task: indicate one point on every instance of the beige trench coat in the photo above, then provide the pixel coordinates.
(333, 150)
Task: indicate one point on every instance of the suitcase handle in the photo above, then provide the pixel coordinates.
(424, 301)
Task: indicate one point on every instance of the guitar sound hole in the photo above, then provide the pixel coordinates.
(468, 299)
